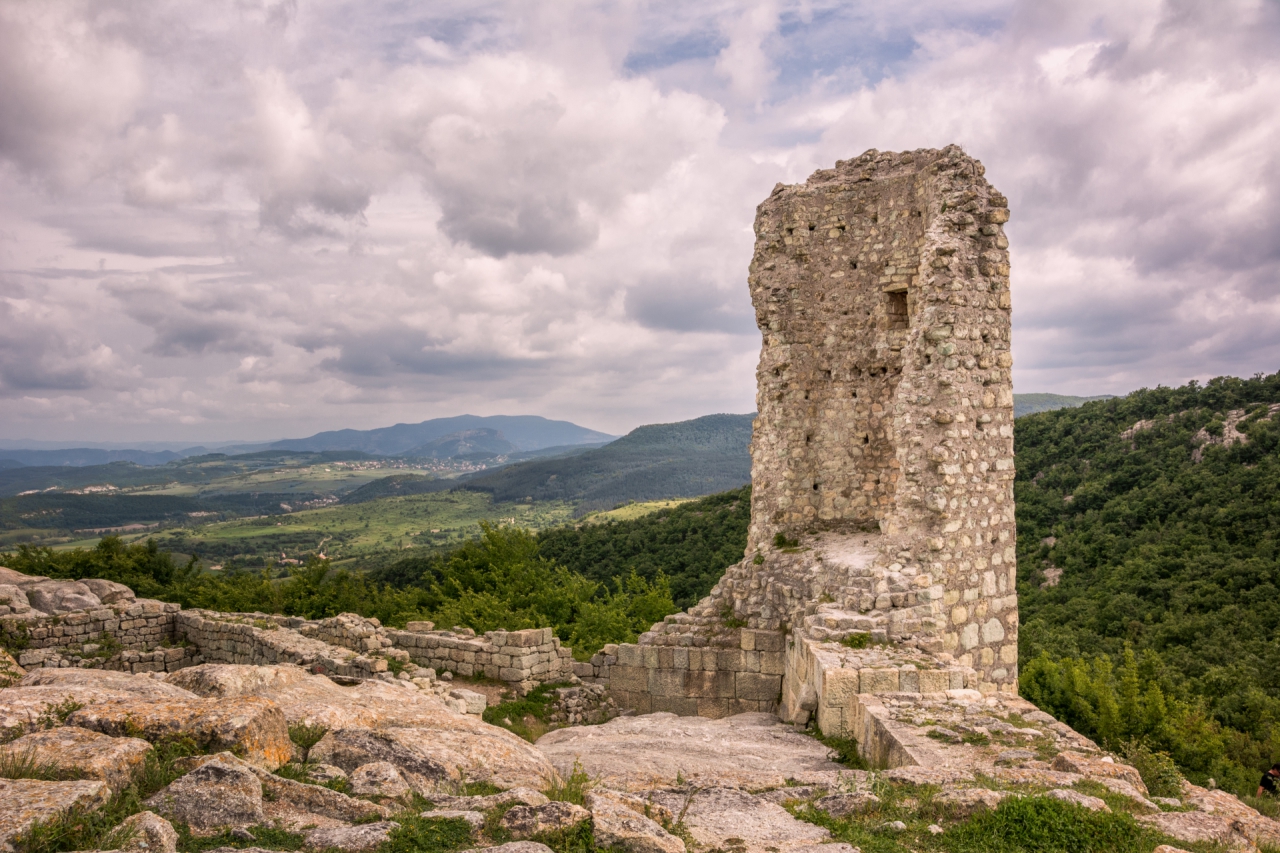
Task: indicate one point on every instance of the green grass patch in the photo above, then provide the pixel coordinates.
(418, 834)
(860, 640)
(570, 790)
(26, 765)
(306, 736)
(266, 837)
(845, 748)
(527, 716)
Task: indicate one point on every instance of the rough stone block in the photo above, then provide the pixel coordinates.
(761, 688)
(877, 680)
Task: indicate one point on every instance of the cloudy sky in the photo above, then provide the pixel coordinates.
(255, 219)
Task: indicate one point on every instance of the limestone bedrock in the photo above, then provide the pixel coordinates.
(882, 456)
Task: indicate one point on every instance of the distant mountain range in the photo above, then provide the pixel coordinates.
(465, 436)
(524, 432)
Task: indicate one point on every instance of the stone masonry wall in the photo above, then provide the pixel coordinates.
(522, 659)
(121, 636)
(882, 455)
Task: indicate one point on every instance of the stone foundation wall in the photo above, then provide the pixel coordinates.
(706, 682)
(132, 632)
(265, 639)
(522, 659)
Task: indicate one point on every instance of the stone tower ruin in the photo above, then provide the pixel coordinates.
(882, 457)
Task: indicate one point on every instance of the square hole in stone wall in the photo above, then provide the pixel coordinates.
(897, 309)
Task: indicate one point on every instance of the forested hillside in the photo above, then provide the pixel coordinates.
(1149, 567)
(685, 459)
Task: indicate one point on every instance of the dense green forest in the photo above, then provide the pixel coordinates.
(496, 581)
(1163, 542)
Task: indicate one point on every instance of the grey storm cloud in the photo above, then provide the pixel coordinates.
(266, 218)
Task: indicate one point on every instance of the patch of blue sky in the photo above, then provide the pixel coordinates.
(692, 46)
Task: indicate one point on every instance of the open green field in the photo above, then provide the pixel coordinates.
(352, 533)
(308, 480)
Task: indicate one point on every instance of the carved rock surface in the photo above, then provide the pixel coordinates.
(216, 794)
(463, 743)
(25, 801)
(365, 836)
(70, 748)
(527, 821)
(253, 728)
(717, 816)
(636, 753)
(513, 847)
(618, 826)
(86, 682)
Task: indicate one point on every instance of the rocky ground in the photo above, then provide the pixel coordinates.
(275, 757)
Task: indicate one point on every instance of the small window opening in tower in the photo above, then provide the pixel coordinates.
(898, 309)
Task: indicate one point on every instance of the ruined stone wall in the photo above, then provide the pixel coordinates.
(882, 455)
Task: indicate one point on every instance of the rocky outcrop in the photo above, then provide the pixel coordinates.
(251, 727)
(528, 821)
(620, 823)
(23, 802)
(400, 723)
(72, 751)
(215, 795)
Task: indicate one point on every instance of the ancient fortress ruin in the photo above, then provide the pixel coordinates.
(882, 459)
(880, 560)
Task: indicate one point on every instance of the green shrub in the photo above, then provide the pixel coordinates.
(1043, 825)
(1159, 772)
(570, 790)
(306, 735)
(418, 834)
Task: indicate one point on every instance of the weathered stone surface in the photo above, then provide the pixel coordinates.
(26, 801)
(462, 743)
(351, 749)
(617, 825)
(513, 847)
(18, 579)
(966, 802)
(1168, 848)
(521, 796)
(1095, 768)
(251, 727)
(1193, 827)
(716, 816)
(14, 598)
(148, 833)
(61, 597)
(215, 795)
(365, 836)
(474, 819)
(635, 753)
(378, 779)
(93, 755)
(1093, 804)
(325, 773)
(299, 797)
(475, 702)
(528, 821)
(41, 689)
(96, 685)
(918, 775)
(109, 592)
(843, 805)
